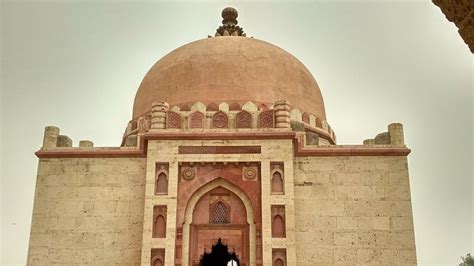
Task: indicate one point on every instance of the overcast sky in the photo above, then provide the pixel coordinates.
(77, 65)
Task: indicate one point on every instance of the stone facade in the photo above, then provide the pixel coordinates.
(353, 210)
(258, 181)
(88, 211)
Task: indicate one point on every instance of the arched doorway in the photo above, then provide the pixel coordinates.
(219, 223)
(219, 255)
(219, 210)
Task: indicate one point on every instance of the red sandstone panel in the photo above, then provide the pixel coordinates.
(203, 232)
(218, 149)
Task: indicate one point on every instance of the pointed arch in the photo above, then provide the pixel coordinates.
(161, 183)
(305, 118)
(278, 226)
(193, 200)
(160, 225)
(243, 119)
(319, 123)
(196, 120)
(277, 183)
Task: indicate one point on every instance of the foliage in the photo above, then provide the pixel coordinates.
(467, 261)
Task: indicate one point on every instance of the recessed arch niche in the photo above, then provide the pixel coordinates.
(218, 190)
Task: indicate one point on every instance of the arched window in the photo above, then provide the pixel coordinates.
(161, 186)
(279, 262)
(277, 182)
(278, 227)
(220, 214)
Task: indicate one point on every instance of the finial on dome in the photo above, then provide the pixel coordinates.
(229, 24)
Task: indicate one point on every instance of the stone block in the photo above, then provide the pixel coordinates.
(312, 138)
(381, 223)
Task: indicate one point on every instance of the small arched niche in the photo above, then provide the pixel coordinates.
(157, 257)
(279, 262)
(278, 221)
(161, 183)
(159, 221)
(277, 175)
(277, 182)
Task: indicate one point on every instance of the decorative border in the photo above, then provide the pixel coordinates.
(218, 149)
(299, 148)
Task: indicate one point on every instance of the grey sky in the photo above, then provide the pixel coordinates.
(77, 65)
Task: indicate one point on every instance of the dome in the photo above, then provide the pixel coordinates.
(229, 69)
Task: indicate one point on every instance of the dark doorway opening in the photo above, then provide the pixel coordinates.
(219, 256)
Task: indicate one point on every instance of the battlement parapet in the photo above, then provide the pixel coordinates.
(225, 117)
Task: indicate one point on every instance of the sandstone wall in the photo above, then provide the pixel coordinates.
(353, 210)
(88, 211)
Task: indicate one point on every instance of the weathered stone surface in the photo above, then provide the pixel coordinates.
(88, 211)
(353, 210)
(131, 141)
(382, 138)
(312, 138)
(297, 126)
(461, 13)
(64, 141)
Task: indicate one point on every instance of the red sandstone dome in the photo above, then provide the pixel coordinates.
(229, 69)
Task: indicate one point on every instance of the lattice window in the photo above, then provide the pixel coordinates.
(220, 214)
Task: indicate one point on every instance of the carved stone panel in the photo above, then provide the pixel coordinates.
(173, 120)
(196, 120)
(243, 120)
(266, 119)
(250, 173)
(188, 173)
(220, 120)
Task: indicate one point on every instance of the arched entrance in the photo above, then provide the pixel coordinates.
(219, 210)
(219, 255)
